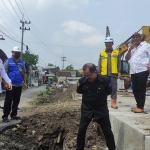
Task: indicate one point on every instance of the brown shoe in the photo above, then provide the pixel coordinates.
(132, 109)
(138, 110)
(114, 103)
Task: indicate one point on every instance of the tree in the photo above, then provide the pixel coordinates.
(30, 58)
(78, 74)
(69, 68)
(49, 64)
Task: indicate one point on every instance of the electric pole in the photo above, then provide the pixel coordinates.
(23, 29)
(63, 59)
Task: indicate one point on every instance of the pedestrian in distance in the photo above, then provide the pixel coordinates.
(109, 65)
(138, 56)
(94, 89)
(16, 72)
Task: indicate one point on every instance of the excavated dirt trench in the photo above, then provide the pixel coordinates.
(52, 126)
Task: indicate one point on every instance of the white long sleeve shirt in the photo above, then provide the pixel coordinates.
(140, 58)
(3, 75)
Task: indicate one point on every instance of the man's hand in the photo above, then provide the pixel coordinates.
(148, 67)
(119, 75)
(25, 86)
(9, 86)
(5, 86)
(132, 46)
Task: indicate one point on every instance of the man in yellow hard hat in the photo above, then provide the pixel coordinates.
(110, 65)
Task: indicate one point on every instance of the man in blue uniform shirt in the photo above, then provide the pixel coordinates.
(16, 72)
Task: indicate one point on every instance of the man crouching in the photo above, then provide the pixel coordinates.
(94, 89)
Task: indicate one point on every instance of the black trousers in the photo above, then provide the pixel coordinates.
(139, 87)
(105, 126)
(12, 100)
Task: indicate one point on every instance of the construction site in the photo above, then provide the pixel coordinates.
(69, 70)
(51, 118)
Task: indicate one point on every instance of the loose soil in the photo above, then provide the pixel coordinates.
(50, 124)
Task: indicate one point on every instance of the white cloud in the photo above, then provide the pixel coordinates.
(72, 27)
(93, 40)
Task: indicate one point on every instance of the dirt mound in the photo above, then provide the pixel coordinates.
(48, 130)
(53, 123)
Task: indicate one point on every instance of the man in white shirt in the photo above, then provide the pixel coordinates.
(138, 56)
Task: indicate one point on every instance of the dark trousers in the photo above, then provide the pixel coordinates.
(139, 87)
(12, 100)
(105, 126)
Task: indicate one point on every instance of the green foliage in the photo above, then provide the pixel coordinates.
(69, 68)
(49, 64)
(78, 74)
(55, 79)
(42, 96)
(30, 58)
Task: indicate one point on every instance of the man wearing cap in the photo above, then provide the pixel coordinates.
(109, 65)
(16, 72)
(138, 56)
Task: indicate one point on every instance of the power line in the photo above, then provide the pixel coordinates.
(9, 27)
(14, 9)
(10, 12)
(10, 37)
(44, 38)
(7, 44)
(19, 7)
(24, 10)
(65, 46)
(6, 30)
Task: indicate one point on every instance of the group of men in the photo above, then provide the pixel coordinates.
(96, 85)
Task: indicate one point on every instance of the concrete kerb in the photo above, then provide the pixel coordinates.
(130, 132)
(147, 143)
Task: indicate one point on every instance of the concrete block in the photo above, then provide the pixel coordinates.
(147, 143)
(120, 84)
(130, 131)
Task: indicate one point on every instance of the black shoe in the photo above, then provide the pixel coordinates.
(5, 119)
(15, 117)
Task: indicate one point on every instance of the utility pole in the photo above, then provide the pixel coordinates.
(63, 59)
(23, 29)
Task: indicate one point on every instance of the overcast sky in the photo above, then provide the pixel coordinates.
(72, 28)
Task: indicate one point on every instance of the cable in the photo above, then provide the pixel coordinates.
(24, 10)
(19, 7)
(10, 37)
(10, 12)
(7, 44)
(45, 39)
(14, 9)
(65, 46)
(8, 27)
(6, 30)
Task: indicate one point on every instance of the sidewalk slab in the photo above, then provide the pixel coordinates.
(131, 130)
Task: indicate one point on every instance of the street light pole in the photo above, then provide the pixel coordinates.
(2, 38)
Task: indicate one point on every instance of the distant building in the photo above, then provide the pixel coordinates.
(80, 71)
